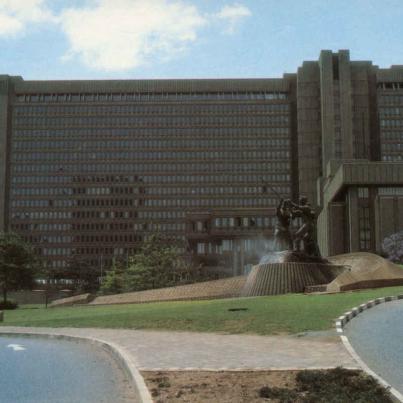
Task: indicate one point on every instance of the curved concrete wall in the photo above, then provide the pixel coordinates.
(366, 270)
(283, 278)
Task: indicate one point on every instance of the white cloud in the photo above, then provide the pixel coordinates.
(15, 15)
(117, 35)
(233, 14)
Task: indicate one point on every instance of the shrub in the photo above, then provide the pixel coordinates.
(282, 394)
(8, 305)
(340, 385)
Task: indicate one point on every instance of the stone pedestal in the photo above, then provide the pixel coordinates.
(292, 277)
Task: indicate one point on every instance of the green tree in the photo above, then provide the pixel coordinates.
(84, 275)
(113, 281)
(18, 264)
(157, 263)
(153, 265)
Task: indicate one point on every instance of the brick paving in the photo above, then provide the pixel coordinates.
(152, 350)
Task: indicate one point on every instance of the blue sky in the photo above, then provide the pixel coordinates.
(72, 39)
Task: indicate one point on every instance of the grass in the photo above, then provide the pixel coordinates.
(291, 313)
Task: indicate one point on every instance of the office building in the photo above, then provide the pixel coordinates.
(90, 168)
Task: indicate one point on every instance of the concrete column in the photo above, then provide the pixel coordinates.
(336, 228)
(346, 111)
(309, 129)
(327, 106)
(353, 220)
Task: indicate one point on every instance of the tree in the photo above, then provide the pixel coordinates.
(392, 246)
(157, 263)
(18, 264)
(83, 273)
(114, 280)
(153, 265)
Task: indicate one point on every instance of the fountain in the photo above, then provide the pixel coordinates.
(295, 263)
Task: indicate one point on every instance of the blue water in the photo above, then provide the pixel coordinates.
(57, 371)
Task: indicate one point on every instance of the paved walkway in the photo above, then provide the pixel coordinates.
(152, 350)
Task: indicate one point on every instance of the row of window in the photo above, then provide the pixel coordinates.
(57, 227)
(216, 190)
(138, 109)
(392, 123)
(173, 203)
(164, 214)
(391, 99)
(113, 190)
(77, 179)
(110, 238)
(152, 121)
(163, 144)
(228, 245)
(56, 251)
(42, 227)
(160, 191)
(159, 179)
(392, 157)
(392, 191)
(232, 222)
(154, 227)
(151, 134)
(44, 203)
(395, 135)
(397, 147)
(152, 155)
(51, 239)
(194, 167)
(104, 214)
(390, 85)
(395, 111)
(227, 202)
(42, 215)
(64, 215)
(151, 96)
(91, 226)
(67, 191)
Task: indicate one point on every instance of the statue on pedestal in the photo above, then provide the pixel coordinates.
(282, 233)
(305, 236)
(304, 239)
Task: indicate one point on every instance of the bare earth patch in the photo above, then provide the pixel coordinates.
(338, 385)
(214, 386)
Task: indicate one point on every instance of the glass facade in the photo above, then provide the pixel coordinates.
(390, 110)
(94, 173)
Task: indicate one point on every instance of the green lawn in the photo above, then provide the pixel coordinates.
(292, 313)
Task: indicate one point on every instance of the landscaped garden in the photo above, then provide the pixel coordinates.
(291, 313)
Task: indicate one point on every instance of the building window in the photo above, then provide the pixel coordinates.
(364, 219)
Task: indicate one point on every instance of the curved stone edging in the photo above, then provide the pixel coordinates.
(142, 393)
(347, 317)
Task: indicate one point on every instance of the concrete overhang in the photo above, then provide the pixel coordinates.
(362, 173)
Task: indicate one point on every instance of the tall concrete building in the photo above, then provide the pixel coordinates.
(90, 168)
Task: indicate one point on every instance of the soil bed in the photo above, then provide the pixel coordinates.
(338, 385)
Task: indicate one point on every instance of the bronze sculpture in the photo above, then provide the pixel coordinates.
(304, 239)
(282, 234)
